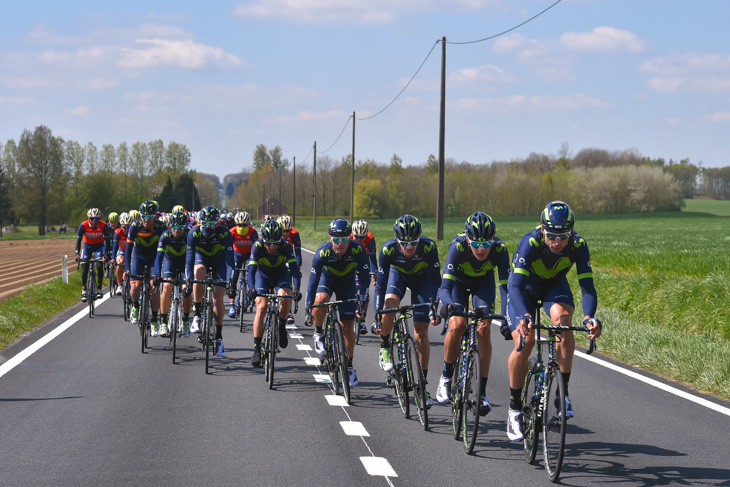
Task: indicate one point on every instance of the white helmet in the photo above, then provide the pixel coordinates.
(243, 218)
(93, 213)
(360, 228)
(285, 222)
(125, 219)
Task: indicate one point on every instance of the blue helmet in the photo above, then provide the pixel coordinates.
(271, 231)
(179, 218)
(480, 227)
(407, 228)
(340, 227)
(557, 217)
(149, 207)
(209, 214)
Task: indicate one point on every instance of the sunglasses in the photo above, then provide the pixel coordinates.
(406, 244)
(148, 217)
(340, 240)
(481, 245)
(178, 227)
(242, 225)
(208, 224)
(359, 237)
(272, 242)
(95, 219)
(557, 236)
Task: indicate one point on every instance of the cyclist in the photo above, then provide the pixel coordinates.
(469, 270)
(542, 259)
(113, 220)
(292, 236)
(244, 236)
(272, 266)
(230, 221)
(209, 246)
(409, 260)
(169, 264)
(144, 235)
(119, 245)
(333, 271)
(361, 234)
(134, 215)
(96, 235)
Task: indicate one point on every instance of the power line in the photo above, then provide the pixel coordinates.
(508, 30)
(338, 137)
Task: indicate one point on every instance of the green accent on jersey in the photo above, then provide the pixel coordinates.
(264, 261)
(579, 243)
(388, 251)
(459, 247)
(343, 272)
(587, 275)
(217, 248)
(356, 249)
(503, 282)
(171, 250)
(534, 242)
(524, 272)
(449, 276)
(429, 246)
(538, 267)
(470, 271)
(416, 269)
(324, 253)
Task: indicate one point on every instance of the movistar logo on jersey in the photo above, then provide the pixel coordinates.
(356, 249)
(429, 246)
(388, 251)
(324, 253)
(539, 268)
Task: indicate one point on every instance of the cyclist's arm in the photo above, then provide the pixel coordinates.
(522, 261)
(382, 282)
(294, 272)
(253, 265)
(364, 275)
(190, 256)
(585, 279)
(373, 255)
(297, 241)
(79, 236)
(449, 277)
(130, 246)
(228, 245)
(115, 244)
(314, 276)
(434, 266)
(107, 232)
(160, 254)
(503, 275)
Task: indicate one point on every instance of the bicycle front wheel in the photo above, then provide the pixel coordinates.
(207, 327)
(174, 325)
(530, 403)
(91, 290)
(417, 383)
(341, 356)
(398, 356)
(471, 401)
(273, 347)
(554, 423)
(242, 302)
(266, 346)
(143, 317)
(126, 300)
(456, 397)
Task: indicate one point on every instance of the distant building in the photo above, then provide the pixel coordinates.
(272, 206)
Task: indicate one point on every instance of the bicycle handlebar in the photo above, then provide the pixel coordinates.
(557, 329)
(402, 309)
(331, 303)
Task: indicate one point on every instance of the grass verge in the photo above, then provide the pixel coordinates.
(35, 305)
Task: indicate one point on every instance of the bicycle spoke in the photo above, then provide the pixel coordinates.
(417, 383)
(554, 423)
(529, 421)
(471, 401)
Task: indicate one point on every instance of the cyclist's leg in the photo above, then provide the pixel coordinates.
(99, 255)
(346, 290)
(120, 267)
(84, 257)
(394, 292)
(422, 292)
(558, 304)
(483, 296)
(517, 363)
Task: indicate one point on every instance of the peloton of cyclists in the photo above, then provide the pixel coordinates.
(361, 234)
(244, 236)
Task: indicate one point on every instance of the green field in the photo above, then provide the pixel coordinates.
(715, 207)
(663, 282)
(31, 233)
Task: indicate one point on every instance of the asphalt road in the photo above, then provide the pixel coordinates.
(89, 409)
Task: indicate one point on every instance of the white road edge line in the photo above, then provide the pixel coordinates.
(34, 347)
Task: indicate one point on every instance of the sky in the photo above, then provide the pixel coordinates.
(222, 77)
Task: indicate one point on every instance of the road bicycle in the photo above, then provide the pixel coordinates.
(91, 284)
(175, 315)
(357, 324)
(126, 299)
(270, 339)
(112, 273)
(243, 303)
(143, 315)
(543, 398)
(335, 356)
(207, 331)
(407, 376)
(465, 397)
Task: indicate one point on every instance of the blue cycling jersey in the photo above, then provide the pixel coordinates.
(327, 262)
(271, 264)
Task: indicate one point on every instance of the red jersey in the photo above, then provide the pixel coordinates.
(93, 235)
(121, 238)
(242, 243)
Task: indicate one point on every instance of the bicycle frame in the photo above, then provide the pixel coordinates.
(336, 354)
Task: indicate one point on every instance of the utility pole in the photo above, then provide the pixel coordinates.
(294, 194)
(442, 137)
(279, 190)
(352, 178)
(314, 194)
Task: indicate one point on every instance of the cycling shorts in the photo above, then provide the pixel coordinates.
(422, 291)
(557, 292)
(482, 296)
(265, 283)
(342, 289)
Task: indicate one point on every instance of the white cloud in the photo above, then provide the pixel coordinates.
(672, 120)
(179, 54)
(603, 39)
(311, 117)
(508, 43)
(349, 11)
(522, 103)
(79, 111)
(690, 84)
(480, 75)
(689, 73)
(16, 100)
(717, 117)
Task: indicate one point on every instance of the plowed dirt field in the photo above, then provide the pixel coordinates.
(24, 262)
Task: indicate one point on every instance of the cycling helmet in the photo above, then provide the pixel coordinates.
(125, 219)
(165, 219)
(113, 217)
(149, 207)
(229, 215)
(285, 222)
(243, 218)
(360, 228)
(134, 215)
(557, 217)
(178, 218)
(209, 214)
(480, 227)
(93, 213)
(407, 228)
(271, 231)
(340, 227)
(177, 208)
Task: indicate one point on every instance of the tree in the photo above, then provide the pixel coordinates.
(6, 206)
(40, 171)
(261, 158)
(367, 202)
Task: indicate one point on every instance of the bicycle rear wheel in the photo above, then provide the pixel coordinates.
(207, 323)
(456, 398)
(91, 290)
(126, 300)
(554, 423)
(341, 356)
(273, 347)
(399, 371)
(471, 401)
(530, 402)
(265, 346)
(417, 383)
(143, 317)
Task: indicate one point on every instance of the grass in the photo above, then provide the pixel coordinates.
(663, 282)
(35, 305)
(31, 233)
(715, 207)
